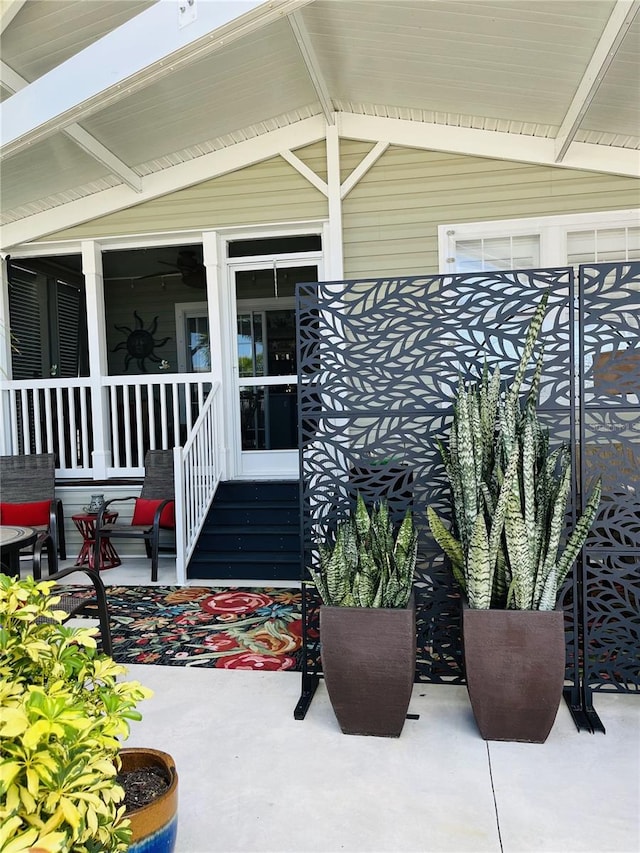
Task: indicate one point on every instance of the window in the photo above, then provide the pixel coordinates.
(547, 241)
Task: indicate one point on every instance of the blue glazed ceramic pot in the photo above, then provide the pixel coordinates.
(154, 826)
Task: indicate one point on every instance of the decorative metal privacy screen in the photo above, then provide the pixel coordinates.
(609, 313)
(379, 361)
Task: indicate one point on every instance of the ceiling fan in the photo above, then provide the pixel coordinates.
(190, 268)
(187, 264)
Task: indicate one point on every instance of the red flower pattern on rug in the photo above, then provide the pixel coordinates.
(231, 628)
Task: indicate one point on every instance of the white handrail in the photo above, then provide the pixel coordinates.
(198, 468)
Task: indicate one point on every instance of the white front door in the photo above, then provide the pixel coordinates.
(264, 365)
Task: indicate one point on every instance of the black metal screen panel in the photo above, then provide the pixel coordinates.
(610, 435)
(379, 361)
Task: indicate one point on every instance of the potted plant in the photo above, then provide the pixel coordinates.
(65, 712)
(367, 619)
(506, 548)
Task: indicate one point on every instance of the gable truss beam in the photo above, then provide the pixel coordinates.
(488, 143)
(126, 61)
(14, 82)
(301, 34)
(614, 32)
(344, 188)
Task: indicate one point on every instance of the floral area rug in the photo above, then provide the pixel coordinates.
(228, 628)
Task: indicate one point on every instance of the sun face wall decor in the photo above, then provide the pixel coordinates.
(140, 343)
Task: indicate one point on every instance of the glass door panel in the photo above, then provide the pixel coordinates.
(266, 355)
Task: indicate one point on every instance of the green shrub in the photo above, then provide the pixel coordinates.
(64, 715)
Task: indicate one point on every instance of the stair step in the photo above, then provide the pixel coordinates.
(237, 557)
(252, 531)
(258, 491)
(260, 514)
(249, 540)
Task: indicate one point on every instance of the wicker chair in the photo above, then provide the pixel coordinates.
(153, 510)
(75, 605)
(26, 483)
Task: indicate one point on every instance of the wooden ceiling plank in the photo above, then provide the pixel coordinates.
(14, 82)
(127, 60)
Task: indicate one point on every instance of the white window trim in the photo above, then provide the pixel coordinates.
(552, 231)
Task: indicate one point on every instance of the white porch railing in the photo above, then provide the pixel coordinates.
(198, 470)
(100, 429)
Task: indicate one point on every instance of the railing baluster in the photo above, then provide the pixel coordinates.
(73, 441)
(48, 413)
(14, 418)
(163, 415)
(62, 450)
(175, 399)
(139, 422)
(85, 457)
(37, 426)
(115, 433)
(151, 416)
(24, 408)
(126, 407)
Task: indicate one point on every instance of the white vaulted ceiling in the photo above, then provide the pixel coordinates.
(98, 105)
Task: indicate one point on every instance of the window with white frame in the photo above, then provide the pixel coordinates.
(545, 241)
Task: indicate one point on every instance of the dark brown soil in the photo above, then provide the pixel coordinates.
(142, 787)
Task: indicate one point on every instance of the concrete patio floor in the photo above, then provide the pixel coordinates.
(254, 779)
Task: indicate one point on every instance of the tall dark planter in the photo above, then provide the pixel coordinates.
(515, 666)
(369, 662)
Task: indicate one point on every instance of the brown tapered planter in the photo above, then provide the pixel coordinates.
(368, 662)
(154, 826)
(515, 667)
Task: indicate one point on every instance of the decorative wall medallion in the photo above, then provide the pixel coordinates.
(140, 343)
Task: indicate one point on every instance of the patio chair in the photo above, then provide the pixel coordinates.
(27, 495)
(153, 511)
(72, 603)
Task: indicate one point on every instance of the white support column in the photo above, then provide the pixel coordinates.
(97, 336)
(334, 255)
(217, 334)
(5, 355)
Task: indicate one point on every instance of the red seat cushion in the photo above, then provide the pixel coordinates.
(27, 514)
(146, 509)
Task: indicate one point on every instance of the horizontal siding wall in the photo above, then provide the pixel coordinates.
(272, 191)
(391, 218)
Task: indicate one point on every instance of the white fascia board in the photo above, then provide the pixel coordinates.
(487, 143)
(612, 36)
(132, 56)
(167, 181)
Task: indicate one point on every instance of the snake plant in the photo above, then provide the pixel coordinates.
(366, 566)
(509, 494)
